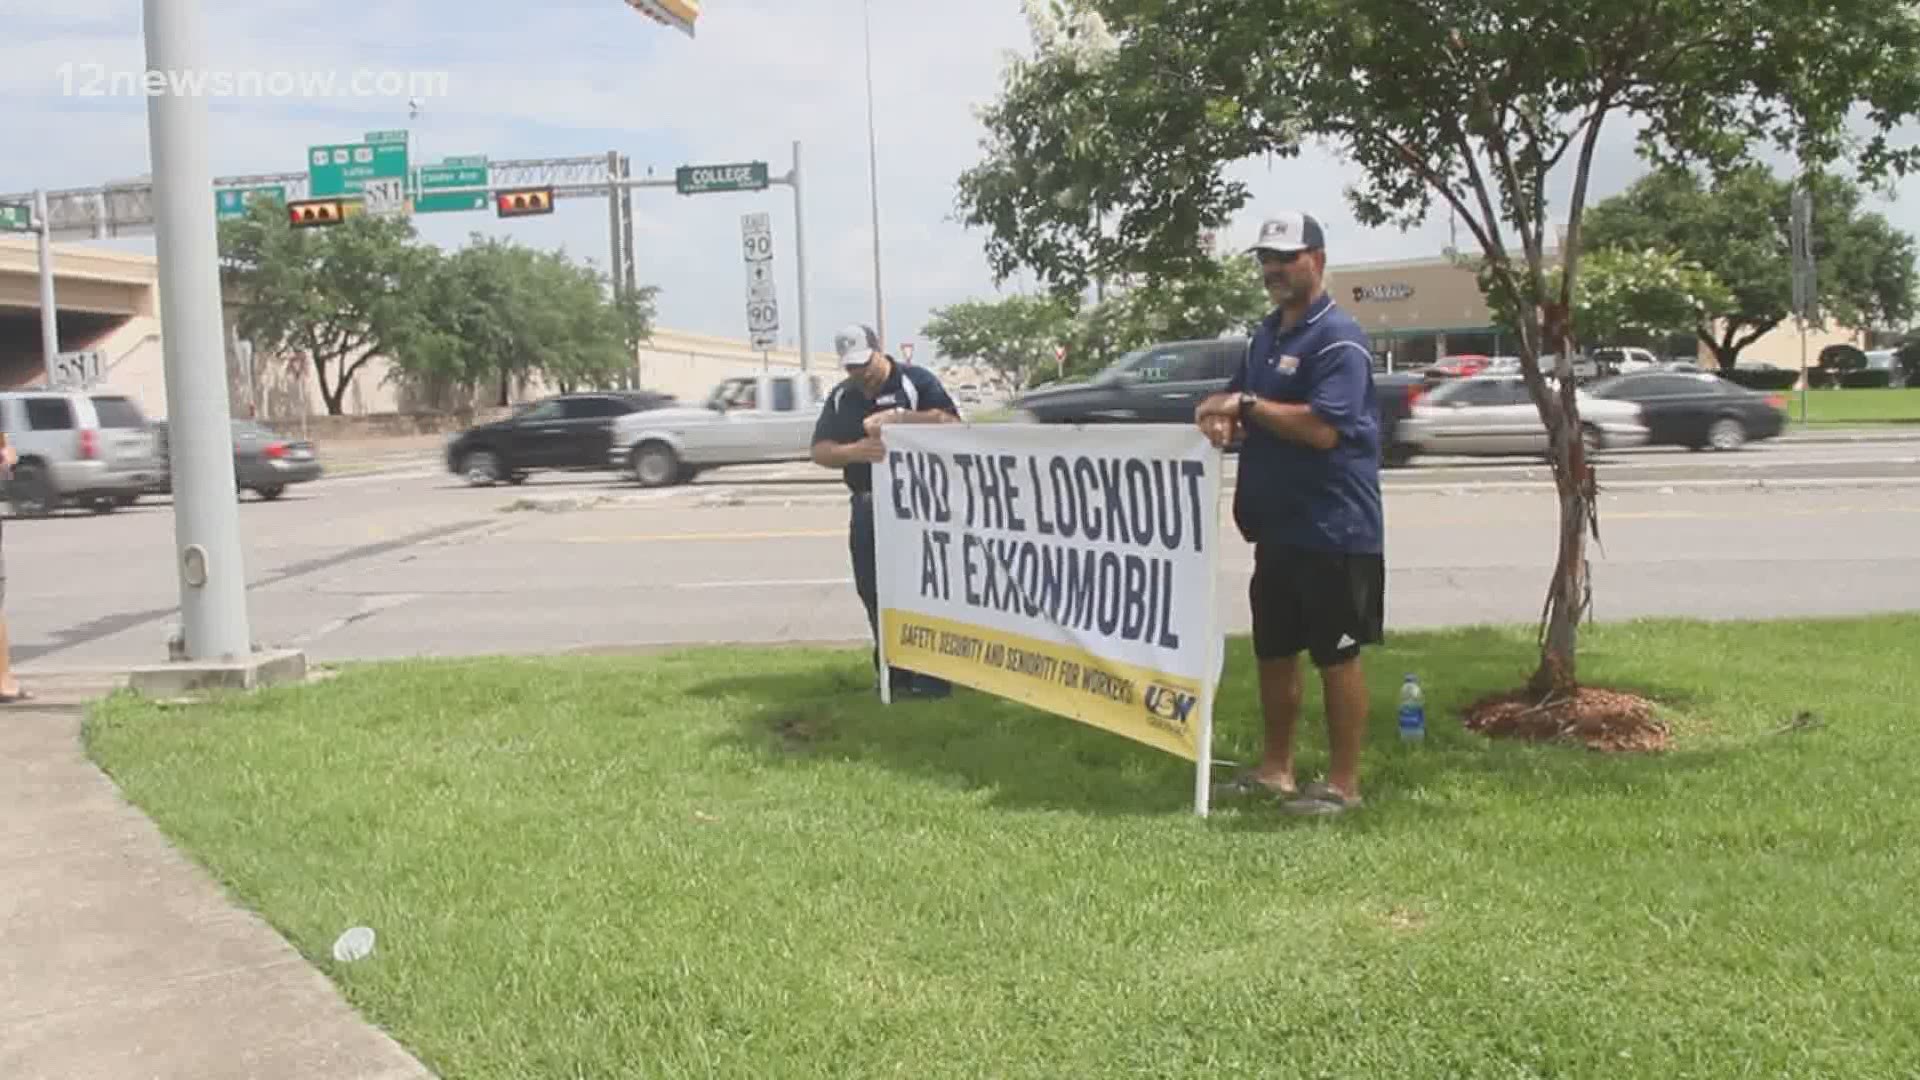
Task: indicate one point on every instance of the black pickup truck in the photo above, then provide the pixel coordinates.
(1163, 383)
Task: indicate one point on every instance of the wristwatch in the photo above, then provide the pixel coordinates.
(1246, 404)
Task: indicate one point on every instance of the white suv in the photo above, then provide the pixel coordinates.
(92, 449)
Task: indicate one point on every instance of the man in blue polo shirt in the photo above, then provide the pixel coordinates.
(1308, 499)
(876, 392)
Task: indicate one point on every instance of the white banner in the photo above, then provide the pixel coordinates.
(1072, 569)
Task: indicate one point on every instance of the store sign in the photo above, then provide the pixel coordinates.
(1363, 293)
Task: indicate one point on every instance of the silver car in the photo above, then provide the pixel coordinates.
(1493, 414)
(90, 449)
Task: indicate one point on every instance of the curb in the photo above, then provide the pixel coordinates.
(1850, 436)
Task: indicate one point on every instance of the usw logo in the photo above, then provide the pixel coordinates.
(1169, 708)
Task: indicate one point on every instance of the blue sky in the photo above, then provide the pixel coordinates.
(580, 77)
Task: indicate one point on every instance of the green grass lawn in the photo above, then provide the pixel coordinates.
(737, 863)
(1860, 406)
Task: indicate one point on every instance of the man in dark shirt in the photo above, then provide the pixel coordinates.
(1308, 498)
(876, 392)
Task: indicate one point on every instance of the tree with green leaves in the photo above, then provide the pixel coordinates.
(337, 296)
(502, 313)
(1018, 334)
(1738, 224)
(1215, 297)
(1011, 335)
(1624, 294)
(1106, 150)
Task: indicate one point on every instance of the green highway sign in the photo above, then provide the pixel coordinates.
(344, 168)
(448, 202)
(451, 176)
(233, 202)
(741, 176)
(386, 137)
(15, 218)
(443, 176)
(471, 161)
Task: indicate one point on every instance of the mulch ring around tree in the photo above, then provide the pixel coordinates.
(1600, 719)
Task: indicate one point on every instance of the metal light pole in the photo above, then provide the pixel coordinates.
(873, 180)
(49, 314)
(800, 253)
(206, 517)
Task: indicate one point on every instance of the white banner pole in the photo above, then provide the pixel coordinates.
(1217, 654)
(883, 481)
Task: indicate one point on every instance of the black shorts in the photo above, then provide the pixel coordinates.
(1327, 604)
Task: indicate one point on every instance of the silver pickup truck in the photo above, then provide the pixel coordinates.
(748, 420)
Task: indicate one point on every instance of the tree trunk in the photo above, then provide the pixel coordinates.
(330, 395)
(1569, 591)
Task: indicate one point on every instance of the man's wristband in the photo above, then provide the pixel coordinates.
(1245, 405)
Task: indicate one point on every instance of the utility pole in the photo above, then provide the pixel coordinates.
(873, 182)
(49, 314)
(800, 251)
(206, 515)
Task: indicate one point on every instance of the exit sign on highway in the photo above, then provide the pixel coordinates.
(345, 168)
(16, 218)
(741, 176)
(454, 174)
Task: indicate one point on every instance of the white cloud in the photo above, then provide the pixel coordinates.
(579, 77)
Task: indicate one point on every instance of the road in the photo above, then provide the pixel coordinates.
(415, 563)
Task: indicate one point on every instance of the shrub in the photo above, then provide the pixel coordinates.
(1762, 378)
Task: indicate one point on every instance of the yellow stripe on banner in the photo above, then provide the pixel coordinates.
(1152, 707)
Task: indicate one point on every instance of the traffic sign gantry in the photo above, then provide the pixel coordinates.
(739, 176)
(344, 168)
(525, 201)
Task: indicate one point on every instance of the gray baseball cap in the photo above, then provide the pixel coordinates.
(855, 344)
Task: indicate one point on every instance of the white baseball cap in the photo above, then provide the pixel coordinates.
(1291, 231)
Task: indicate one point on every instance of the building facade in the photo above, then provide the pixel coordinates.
(1419, 310)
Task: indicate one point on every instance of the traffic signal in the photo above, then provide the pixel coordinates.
(315, 213)
(524, 201)
(680, 15)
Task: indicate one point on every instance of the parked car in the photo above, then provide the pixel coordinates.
(89, 449)
(747, 420)
(1458, 366)
(1626, 359)
(264, 461)
(1164, 383)
(1494, 414)
(1697, 410)
(563, 432)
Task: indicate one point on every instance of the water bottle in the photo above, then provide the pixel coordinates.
(1413, 711)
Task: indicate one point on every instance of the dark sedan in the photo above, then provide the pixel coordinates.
(563, 432)
(1697, 411)
(264, 461)
(1161, 384)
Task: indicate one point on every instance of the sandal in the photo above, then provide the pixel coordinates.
(1246, 783)
(1320, 799)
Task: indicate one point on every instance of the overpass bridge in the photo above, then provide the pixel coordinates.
(110, 301)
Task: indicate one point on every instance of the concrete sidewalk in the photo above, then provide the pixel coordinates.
(120, 958)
